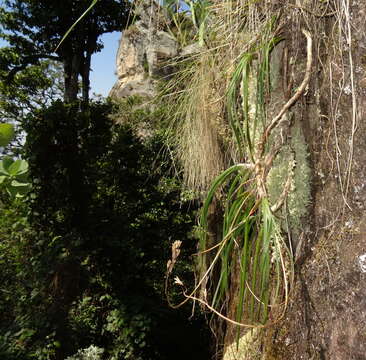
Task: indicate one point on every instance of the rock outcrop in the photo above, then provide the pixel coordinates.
(144, 52)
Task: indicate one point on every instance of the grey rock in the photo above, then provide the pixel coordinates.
(145, 51)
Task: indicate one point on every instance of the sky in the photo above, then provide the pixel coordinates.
(102, 76)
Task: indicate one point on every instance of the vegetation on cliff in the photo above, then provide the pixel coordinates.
(245, 136)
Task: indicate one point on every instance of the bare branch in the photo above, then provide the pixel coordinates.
(277, 119)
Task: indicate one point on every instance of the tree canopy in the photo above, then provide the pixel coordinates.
(33, 30)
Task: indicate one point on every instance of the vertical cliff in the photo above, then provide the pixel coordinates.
(279, 92)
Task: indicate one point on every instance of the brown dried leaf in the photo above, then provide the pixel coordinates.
(175, 253)
(178, 281)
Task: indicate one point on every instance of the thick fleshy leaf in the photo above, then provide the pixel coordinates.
(2, 179)
(23, 177)
(18, 167)
(12, 191)
(6, 134)
(5, 163)
(23, 167)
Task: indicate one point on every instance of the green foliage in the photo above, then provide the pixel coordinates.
(188, 19)
(249, 121)
(13, 173)
(31, 88)
(200, 14)
(131, 334)
(251, 246)
(15, 332)
(6, 134)
(90, 353)
(13, 176)
(34, 29)
(91, 241)
(145, 118)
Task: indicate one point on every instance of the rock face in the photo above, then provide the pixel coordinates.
(143, 53)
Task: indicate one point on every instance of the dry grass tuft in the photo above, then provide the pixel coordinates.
(200, 128)
(203, 135)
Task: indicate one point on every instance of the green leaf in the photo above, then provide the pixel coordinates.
(18, 167)
(22, 177)
(5, 163)
(201, 34)
(6, 134)
(2, 178)
(17, 189)
(23, 168)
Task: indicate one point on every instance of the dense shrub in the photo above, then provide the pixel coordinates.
(90, 256)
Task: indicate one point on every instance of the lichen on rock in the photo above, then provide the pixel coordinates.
(300, 192)
(248, 347)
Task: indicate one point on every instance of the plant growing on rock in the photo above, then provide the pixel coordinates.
(241, 128)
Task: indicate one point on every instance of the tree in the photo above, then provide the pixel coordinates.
(34, 87)
(33, 30)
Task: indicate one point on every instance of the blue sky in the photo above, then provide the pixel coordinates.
(102, 76)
